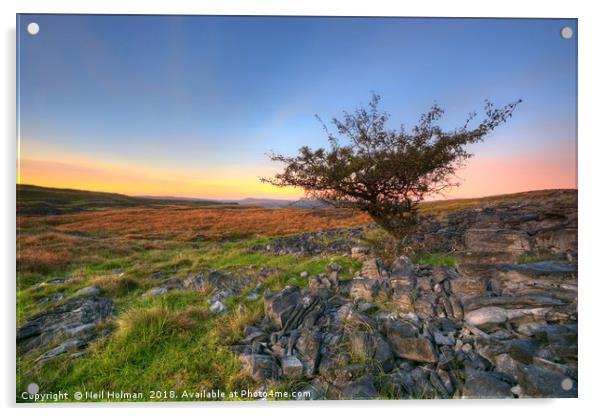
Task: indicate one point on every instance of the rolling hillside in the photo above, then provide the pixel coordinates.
(38, 200)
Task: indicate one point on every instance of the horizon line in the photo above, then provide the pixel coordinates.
(278, 199)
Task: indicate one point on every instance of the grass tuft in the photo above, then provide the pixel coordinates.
(434, 259)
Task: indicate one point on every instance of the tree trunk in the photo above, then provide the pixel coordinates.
(396, 221)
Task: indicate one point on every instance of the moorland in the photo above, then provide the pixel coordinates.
(163, 295)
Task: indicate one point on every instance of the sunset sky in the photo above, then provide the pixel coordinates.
(188, 106)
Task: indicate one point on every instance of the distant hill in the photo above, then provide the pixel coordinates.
(281, 203)
(39, 200)
(265, 202)
(308, 203)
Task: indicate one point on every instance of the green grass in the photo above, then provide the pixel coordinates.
(532, 258)
(434, 259)
(170, 342)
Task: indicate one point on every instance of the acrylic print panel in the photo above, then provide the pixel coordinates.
(187, 229)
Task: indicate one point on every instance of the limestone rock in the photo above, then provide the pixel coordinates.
(468, 287)
(441, 273)
(88, 291)
(156, 291)
(217, 307)
(365, 289)
(360, 252)
(55, 297)
(279, 306)
(514, 302)
(333, 266)
(402, 267)
(292, 367)
(485, 385)
(504, 363)
(523, 350)
(54, 281)
(65, 346)
(492, 316)
(360, 389)
(371, 269)
(407, 344)
(536, 381)
(75, 316)
(326, 241)
(308, 348)
(260, 366)
(497, 240)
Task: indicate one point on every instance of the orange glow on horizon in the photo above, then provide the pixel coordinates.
(139, 181)
(482, 177)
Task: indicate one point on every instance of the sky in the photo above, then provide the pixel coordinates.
(190, 105)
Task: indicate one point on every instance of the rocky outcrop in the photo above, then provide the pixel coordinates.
(416, 331)
(76, 318)
(328, 241)
(539, 225)
(221, 286)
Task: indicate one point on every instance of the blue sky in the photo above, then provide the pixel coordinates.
(200, 97)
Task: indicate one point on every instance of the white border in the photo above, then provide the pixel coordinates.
(590, 237)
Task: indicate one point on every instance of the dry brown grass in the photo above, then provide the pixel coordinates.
(55, 242)
(198, 223)
(42, 259)
(563, 196)
(44, 251)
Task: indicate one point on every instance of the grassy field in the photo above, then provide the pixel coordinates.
(169, 342)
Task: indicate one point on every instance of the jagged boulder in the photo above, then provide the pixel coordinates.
(486, 385)
(279, 306)
(493, 316)
(402, 267)
(308, 349)
(365, 289)
(292, 367)
(466, 287)
(497, 240)
(373, 269)
(536, 381)
(406, 342)
(261, 367)
(360, 389)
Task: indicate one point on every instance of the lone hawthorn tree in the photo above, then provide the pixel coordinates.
(385, 172)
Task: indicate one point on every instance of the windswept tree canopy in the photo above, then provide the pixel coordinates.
(383, 171)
